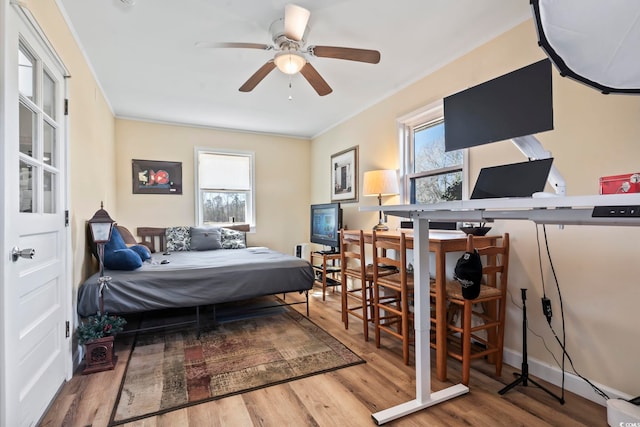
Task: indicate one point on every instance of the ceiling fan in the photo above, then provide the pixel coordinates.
(291, 55)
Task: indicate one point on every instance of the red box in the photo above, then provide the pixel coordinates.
(620, 184)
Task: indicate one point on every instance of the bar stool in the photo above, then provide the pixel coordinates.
(357, 301)
(488, 308)
(393, 293)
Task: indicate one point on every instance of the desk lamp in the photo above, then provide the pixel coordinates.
(380, 183)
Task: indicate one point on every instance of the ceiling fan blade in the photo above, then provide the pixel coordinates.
(348, 53)
(295, 21)
(260, 46)
(257, 77)
(315, 80)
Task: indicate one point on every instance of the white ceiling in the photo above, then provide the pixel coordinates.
(145, 59)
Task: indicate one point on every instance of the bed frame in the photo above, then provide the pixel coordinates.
(155, 239)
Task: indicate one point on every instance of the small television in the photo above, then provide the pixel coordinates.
(326, 222)
(516, 104)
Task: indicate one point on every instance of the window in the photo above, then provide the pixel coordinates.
(225, 183)
(39, 118)
(428, 173)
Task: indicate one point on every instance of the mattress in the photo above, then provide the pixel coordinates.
(194, 278)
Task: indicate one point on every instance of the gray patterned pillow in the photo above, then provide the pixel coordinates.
(178, 238)
(232, 239)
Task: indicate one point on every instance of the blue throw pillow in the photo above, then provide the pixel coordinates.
(141, 250)
(122, 259)
(116, 241)
(117, 256)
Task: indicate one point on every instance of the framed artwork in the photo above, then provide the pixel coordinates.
(156, 177)
(344, 175)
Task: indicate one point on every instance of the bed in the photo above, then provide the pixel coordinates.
(195, 279)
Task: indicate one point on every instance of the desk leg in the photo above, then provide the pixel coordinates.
(424, 397)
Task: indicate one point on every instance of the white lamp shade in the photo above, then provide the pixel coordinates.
(380, 183)
(289, 62)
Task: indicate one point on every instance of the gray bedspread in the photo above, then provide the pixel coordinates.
(197, 278)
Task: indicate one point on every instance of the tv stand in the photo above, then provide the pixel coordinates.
(331, 251)
(325, 269)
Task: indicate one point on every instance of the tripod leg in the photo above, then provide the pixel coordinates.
(512, 385)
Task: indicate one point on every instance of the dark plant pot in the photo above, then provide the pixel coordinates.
(99, 355)
(476, 231)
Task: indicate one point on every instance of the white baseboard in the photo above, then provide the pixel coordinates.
(553, 374)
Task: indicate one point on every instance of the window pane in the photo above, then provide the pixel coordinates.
(429, 149)
(48, 94)
(49, 192)
(438, 188)
(49, 144)
(224, 207)
(26, 74)
(27, 195)
(27, 130)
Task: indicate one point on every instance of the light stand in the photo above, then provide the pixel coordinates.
(523, 376)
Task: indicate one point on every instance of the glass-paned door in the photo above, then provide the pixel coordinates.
(38, 134)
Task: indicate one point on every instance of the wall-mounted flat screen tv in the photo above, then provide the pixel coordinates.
(326, 221)
(516, 104)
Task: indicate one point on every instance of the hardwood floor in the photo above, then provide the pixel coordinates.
(345, 397)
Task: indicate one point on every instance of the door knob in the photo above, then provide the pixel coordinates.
(16, 253)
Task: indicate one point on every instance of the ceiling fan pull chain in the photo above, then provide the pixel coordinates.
(290, 89)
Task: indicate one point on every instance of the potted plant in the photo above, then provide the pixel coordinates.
(96, 333)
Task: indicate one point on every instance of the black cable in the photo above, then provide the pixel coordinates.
(564, 337)
(597, 390)
(564, 331)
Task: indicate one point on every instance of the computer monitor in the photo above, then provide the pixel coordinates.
(512, 180)
(516, 104)
(326, 222)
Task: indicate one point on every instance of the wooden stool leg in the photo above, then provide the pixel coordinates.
(365, 309)
(376, 313)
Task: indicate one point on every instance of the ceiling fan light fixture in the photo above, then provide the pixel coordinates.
(289, 62)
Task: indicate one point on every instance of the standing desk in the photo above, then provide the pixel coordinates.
(440, 243)
(562, 210)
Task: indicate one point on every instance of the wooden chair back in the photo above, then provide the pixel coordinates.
(352, 253)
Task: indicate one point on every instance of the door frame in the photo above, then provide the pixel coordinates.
(12, 15)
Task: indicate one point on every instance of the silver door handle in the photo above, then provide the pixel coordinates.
(16, 253)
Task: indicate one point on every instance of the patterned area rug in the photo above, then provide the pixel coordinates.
(169, 371)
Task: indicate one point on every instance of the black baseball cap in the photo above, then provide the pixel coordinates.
(468, 272)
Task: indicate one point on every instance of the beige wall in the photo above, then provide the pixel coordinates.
(282, 179)
(594, 135)
(91, 137)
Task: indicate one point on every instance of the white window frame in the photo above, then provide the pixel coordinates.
(407, 124)
(251, 200)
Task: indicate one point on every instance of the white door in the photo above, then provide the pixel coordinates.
(36, 294)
